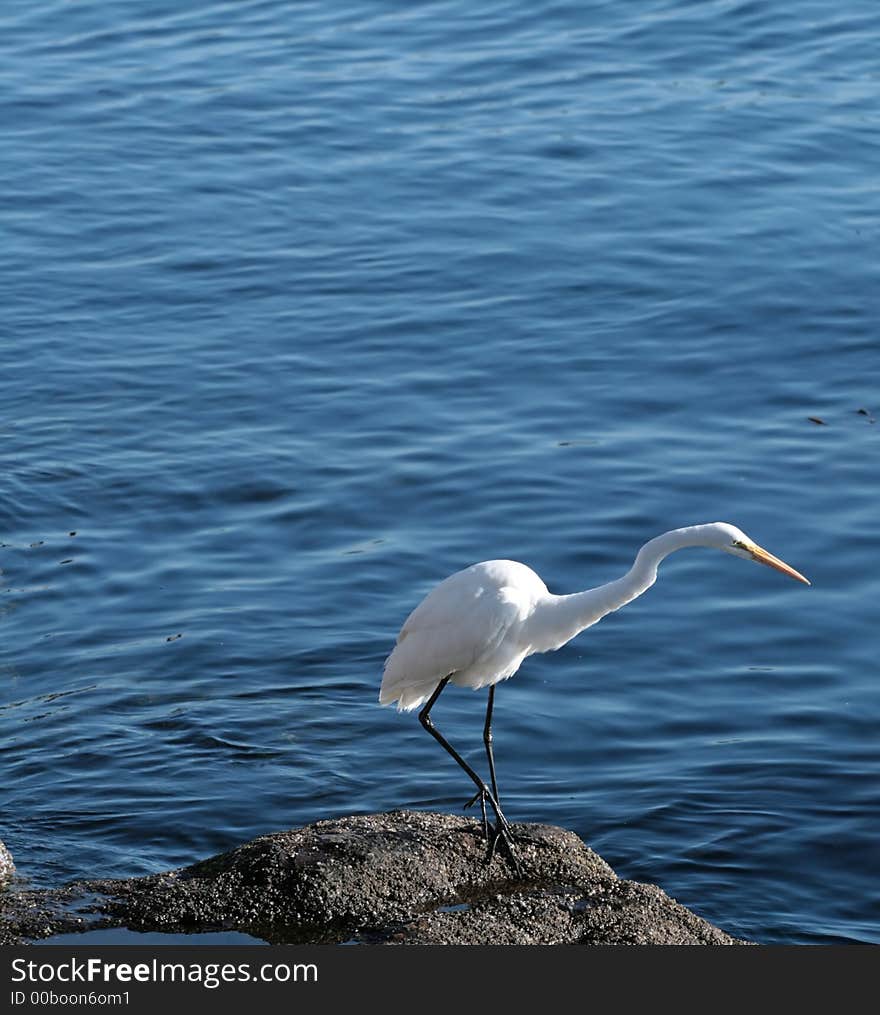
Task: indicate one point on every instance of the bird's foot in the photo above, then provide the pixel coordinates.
(482, 795)
(500, 833)
(503, 836)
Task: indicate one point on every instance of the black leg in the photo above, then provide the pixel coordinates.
(487, 740)
(502, 828)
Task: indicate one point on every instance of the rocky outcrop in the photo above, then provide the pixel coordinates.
(404, 877)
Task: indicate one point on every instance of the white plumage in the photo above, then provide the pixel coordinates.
(478, 625)
(472, 626)
(475, 628)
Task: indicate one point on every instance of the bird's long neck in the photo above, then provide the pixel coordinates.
(559, 618)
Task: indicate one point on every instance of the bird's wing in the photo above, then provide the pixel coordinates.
(459, 624)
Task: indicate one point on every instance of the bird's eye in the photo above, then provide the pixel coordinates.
(739, 544)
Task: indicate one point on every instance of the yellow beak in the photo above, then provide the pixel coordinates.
(763, 557)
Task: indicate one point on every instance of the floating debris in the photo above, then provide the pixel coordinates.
(173, 637)
(818, 420)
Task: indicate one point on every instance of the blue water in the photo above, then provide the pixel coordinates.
(307, 305)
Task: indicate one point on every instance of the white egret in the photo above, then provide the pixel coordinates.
(475, 628)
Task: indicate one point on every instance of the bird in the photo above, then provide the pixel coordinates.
(475, 628)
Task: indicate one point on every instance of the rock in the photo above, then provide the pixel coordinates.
(404, 877)
(7, 867)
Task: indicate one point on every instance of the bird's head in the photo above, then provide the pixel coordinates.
(733, 540)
